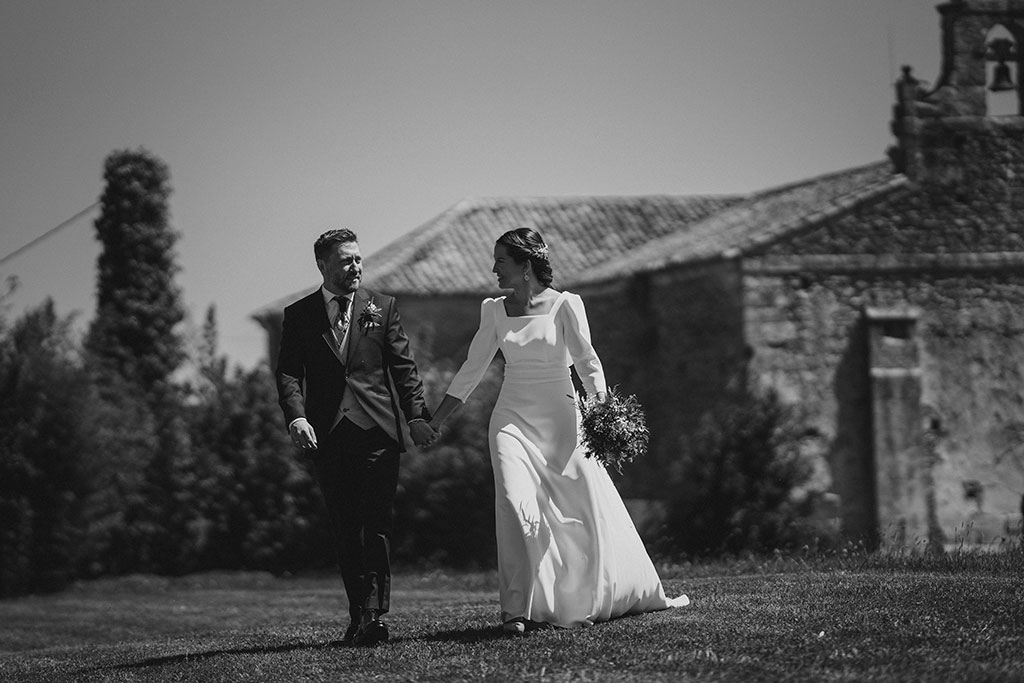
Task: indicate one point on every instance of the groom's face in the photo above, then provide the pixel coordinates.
(342, 268)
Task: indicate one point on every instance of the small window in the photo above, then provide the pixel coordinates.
(898, 330)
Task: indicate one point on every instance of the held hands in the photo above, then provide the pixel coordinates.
(423, 433)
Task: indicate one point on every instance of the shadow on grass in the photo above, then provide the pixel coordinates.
(186, 657)
(465, 635)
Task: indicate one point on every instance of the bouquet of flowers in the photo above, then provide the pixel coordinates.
(614, 430)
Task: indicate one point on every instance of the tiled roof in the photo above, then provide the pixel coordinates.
(593, 239)
(453, 253)
(757, 220)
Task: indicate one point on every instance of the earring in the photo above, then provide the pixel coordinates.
(526, 278)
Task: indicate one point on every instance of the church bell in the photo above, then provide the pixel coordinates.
(1001, 79)
(1000, 50)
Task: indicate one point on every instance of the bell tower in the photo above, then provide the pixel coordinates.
(968, 128)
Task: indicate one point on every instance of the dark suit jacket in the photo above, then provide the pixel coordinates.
(312, 377)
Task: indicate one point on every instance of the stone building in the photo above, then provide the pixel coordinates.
(886, 300)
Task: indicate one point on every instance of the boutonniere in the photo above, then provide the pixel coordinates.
(371, 316)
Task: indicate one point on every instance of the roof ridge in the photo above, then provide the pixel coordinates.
(836, 206)
(593, 197)
(605, 236)
(667, 247)
(412, 239)
(389, 261)
(823, 177)
(277, 304)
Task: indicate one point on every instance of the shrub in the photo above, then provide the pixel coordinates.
(258, 502)
(737, 473)
(121, 441)
(44, 395)
(444, 510)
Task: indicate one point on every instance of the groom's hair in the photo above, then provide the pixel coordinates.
(325, 242)
(526, 244)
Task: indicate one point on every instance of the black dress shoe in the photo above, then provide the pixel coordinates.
(371, 633)
(350, 633)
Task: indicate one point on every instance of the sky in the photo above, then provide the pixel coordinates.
(281, 119)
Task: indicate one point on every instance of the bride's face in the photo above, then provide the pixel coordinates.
(505, 267)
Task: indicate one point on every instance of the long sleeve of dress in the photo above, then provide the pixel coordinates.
(481, 352)
(576, 332)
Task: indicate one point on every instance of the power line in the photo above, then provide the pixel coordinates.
(49, 232)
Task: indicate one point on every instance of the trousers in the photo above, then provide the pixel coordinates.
(357, 472)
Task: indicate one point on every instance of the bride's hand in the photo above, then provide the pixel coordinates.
(601, 396)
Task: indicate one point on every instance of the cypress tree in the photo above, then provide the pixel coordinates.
(138, 303)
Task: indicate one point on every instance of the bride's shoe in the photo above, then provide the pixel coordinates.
(515, 627)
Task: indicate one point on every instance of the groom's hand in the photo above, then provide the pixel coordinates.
(302, 433)
(422, 433)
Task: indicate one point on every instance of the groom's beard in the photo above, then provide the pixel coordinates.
(349, 284)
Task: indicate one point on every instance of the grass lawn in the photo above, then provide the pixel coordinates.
(867, 618)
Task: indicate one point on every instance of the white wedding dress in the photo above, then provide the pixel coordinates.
(568, 553)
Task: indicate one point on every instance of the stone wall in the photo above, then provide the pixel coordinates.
(675, 339)
(949, 245)
(440, 327)
(811, 343)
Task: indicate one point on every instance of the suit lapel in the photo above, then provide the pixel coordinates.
(355, 333)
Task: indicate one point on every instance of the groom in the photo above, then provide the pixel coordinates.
(345, 375)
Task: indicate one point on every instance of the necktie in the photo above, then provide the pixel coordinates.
(341, 320)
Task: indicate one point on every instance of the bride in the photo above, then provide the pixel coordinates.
(568, 553)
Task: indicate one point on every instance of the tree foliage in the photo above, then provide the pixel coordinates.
(736, 478)
(257, 502)
(444, 510)
(114, 459)
(44, 402)
(138, 302)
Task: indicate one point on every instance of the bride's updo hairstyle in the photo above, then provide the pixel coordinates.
(526, 244)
